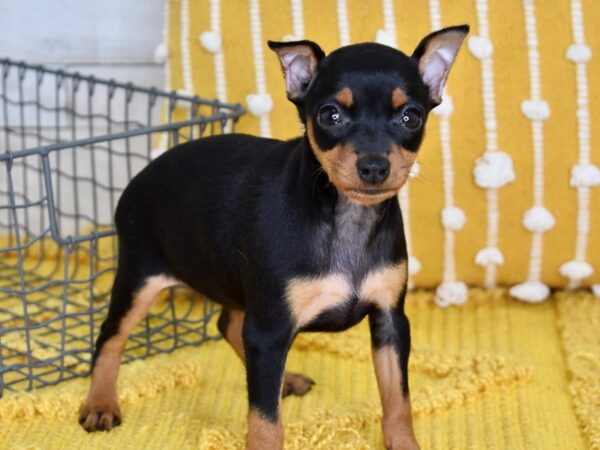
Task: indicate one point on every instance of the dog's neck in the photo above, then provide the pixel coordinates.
(345, 227)
(353, 227)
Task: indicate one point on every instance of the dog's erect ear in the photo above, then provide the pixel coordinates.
(299, 61)
(435, 55)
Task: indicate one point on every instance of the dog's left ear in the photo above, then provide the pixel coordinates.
(299, 61)
(435, 55)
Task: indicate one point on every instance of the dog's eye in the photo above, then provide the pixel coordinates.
(329, 116)
(411, 118)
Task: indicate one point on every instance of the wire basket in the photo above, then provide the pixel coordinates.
(69, 144)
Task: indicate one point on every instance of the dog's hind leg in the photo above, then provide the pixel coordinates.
(131, 299)
(230, 325)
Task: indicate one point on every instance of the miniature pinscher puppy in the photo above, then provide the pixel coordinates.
(289, 236)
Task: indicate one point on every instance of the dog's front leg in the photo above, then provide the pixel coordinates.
(390, 340)
(265, 345)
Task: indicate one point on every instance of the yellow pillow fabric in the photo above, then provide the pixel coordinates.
(508, 188)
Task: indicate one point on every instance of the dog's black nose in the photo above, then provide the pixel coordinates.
(373, 169)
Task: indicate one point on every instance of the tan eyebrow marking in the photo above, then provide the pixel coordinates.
(345, 97)
(399, 98)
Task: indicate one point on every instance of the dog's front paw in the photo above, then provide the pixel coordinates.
(296, 384)
(401, 443)
(100, 415)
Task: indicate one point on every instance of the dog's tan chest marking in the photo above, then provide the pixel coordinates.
(309, 297)
(383, 285)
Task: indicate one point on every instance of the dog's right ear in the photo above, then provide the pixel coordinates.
(435, 56)
(299, 61)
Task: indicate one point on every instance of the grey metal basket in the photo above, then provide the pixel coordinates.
(69, 144)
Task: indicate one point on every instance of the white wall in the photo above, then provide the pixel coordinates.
(105, 38)
(108, 38)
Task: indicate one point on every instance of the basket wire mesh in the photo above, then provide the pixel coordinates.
(69, 144)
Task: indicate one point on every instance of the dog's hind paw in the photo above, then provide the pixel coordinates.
(102, 416)
(296, 384)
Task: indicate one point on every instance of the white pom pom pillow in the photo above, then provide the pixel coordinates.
(508, 187)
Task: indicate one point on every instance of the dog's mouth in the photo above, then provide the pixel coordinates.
(371, 195)
(372, 191)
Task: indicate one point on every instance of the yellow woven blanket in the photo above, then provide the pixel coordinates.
(494, 374)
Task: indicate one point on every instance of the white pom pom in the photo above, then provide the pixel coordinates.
(290, 38)
(451, 293)
(489, 255)
(210, 41)
(576, 270)
(161, 52)
(414, 265)
(579, 53)
(480, 47)
(493, 170)
(530, 291)
(415, 169)
(445, 108)
(535, 109)
(385, 37)
(259, 104)
(585, 175)
(538, 219)
(596, 290)
(453, 218)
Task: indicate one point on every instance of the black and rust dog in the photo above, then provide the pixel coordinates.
(301, 235)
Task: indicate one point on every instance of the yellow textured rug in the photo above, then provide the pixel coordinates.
(495, 374)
